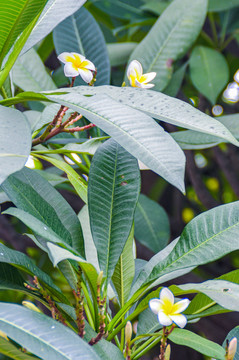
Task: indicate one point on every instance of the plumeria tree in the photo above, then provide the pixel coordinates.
(89, 128)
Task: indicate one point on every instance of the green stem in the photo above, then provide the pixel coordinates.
(213, 27)
(89, 302)
(123, 323)
(207, 38)
(145, 344)
(229, 39)
(146, 349)
(87, 161)
(89, 317)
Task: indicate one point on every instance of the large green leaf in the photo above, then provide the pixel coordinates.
(15, 141)
(43, 336)
(54, 12)
(23, 262)
(206, 238)
(29, 73)
(80, 33)
(133, 130)
(113, 190)
(209, 72)
(201, 302)
(12, 352)
(15, 16)
(151, 224)
(222, 5)
(162, 107)
(198, 343)
(120, 52)
(10, 278)
(170, 38)
(124, 270)
(223, 292)
(33, 194)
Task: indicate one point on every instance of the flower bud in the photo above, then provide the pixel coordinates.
(99, 279)
(232, 348)
(128, 332)
(167, 352)
(31, 306)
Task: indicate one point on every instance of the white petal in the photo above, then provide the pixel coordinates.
(143, 85)
(86, 75)
(166, 295)
(155, 305)
(70, 71)
(63, 56)
(133, 67)
(149, 76)
(164, 319)
(236, 76)
(76, 55)
(179, 320)
(90, 65)
(180, 306)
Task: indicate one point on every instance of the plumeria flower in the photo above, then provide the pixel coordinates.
(236, 77)
(136, 76)
(77, 64)
(169, 312)
(232, 349)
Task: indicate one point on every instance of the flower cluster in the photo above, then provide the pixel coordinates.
(231, 94)
(77, 64)
(167, 310)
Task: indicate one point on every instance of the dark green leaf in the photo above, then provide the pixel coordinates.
(113, 191)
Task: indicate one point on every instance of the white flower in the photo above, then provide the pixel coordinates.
(231, 94)
(77, 64)
(236, 77)
(136, 76)
(169, 312)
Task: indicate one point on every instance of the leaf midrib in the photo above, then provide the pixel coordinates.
(147, 221)
(193, 249)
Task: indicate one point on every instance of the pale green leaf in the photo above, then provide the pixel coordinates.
(12, 352)
(29, 73)
(133, 130)
(222, 5)
(162, 107)
(120, 52)
(15, 141)
(169, 39)
(54, 12)
(198, 343)
(43, 336)
(233, 333)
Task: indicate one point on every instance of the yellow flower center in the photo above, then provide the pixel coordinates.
(167, 307)
(76, 62)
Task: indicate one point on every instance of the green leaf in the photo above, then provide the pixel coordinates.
(54, 12)
(24, 263)
(15, 17)
(11, 351)
(222, 5)
(124, 270)
(113, 190)
(192, 140)
(33, 117)
(163, 108)
(216, 231)
(233, 333)
(147, 322)
(223, 292)
(202, 302)
(151, 224)
(209, 72)
(58, 254)
(33, 194)
(43, 336)
(198, 343)
(170, 38)
(136, 132)
(72, 175)
(120, 52)
(29, 73)
(177, 79)
(15, 140)
(80, 33)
